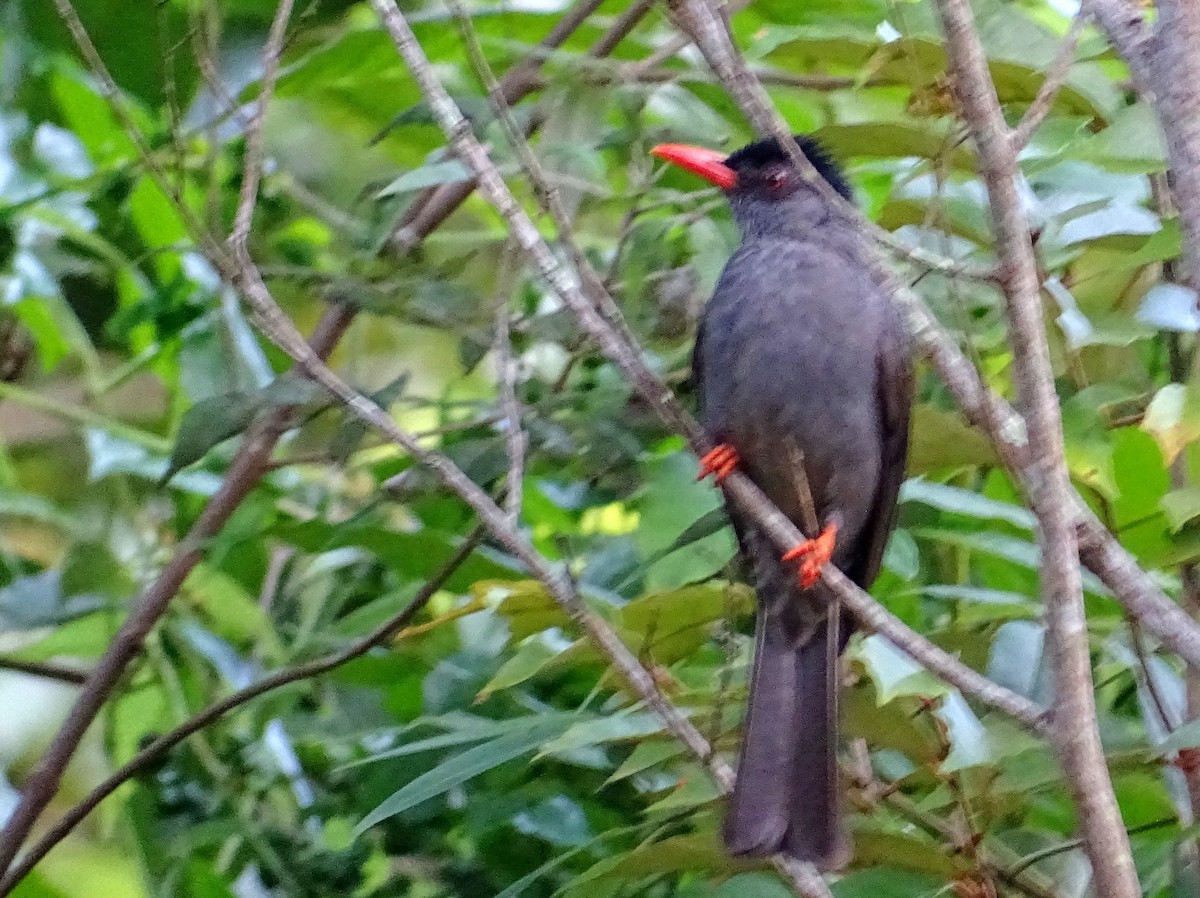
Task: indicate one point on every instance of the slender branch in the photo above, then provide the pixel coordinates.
(1075, 728)
(244, 473)
(164, 743)
(280, 330)
(252, 166)
(1175, 73)
(628, 358)
(1124, 23)
(46, 670)
(506, 377)
(436, 204)
(1056, 77)
(1136, 590)
(248, 466)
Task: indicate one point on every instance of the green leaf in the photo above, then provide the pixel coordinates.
(695, 788)
(888, 882)
(942, 440)
(534, 654)
(970, 745)
(462, 729)
(433, 174)
(1173, 419)
(753, 885)
(965, 502)
(674, 502)
(464, 766)
(1181, 507)
(644, 756)
(36, 601)
(208, 423)
(894, 673)
(231, 611)
(692, 853)
(671, 625)
(1170, 307)
(619, 727)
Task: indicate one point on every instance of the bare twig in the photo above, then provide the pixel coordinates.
(245, 470)
(164, 743)
(243, 475)
(628, 358)
(252, 167)
(436, 204)
(1056, 77)
(506, 377)
(1075, 728)
(1136, 590)
(46, 670)
(808, 509)
(1175, 66)
(1124, 23)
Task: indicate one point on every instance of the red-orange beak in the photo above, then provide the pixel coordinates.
(708, 164)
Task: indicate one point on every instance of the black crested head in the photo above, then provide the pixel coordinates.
(753, 162)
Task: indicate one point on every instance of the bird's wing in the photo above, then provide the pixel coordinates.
(894, 388)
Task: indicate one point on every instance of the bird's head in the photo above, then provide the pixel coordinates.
(760, 180)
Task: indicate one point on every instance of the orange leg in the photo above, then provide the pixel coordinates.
(720, 461)
(815, 554)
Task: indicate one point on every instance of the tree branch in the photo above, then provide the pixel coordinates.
(246, 469)
(1124, 23)
(1174, 65)
(164, 743)
(1056, 77)
(1136, 590)
(436, 204)
(244, 473)
(46, 670)
(1075, 728)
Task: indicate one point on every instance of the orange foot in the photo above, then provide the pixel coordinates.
(720, 461)
(816, 554)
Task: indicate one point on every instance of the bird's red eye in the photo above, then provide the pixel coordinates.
(776, 180)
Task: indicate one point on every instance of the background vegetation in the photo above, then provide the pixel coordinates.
(488, 748)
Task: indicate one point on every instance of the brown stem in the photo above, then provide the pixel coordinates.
(1075, 728)
(164, 743)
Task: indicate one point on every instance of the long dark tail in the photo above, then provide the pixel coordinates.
(787, 797)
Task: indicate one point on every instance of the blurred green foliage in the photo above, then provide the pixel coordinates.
(488, 751)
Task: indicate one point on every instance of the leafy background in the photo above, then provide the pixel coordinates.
(488, 751)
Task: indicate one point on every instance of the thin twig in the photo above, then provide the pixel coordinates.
(628, 357)
(808, 509)
(1099, 549)
(244, 472)
(1056, 77)
(1075, 728)
(164, 743)
(506, 377)
(46, 670)
(252, 167)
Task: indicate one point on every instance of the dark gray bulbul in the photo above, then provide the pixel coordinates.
(799, 349)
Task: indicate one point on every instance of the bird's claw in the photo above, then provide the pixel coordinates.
(720, 461)
(815, 554)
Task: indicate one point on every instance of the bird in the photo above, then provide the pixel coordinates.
(801, 360)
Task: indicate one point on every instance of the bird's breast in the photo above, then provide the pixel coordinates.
(789, 365)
